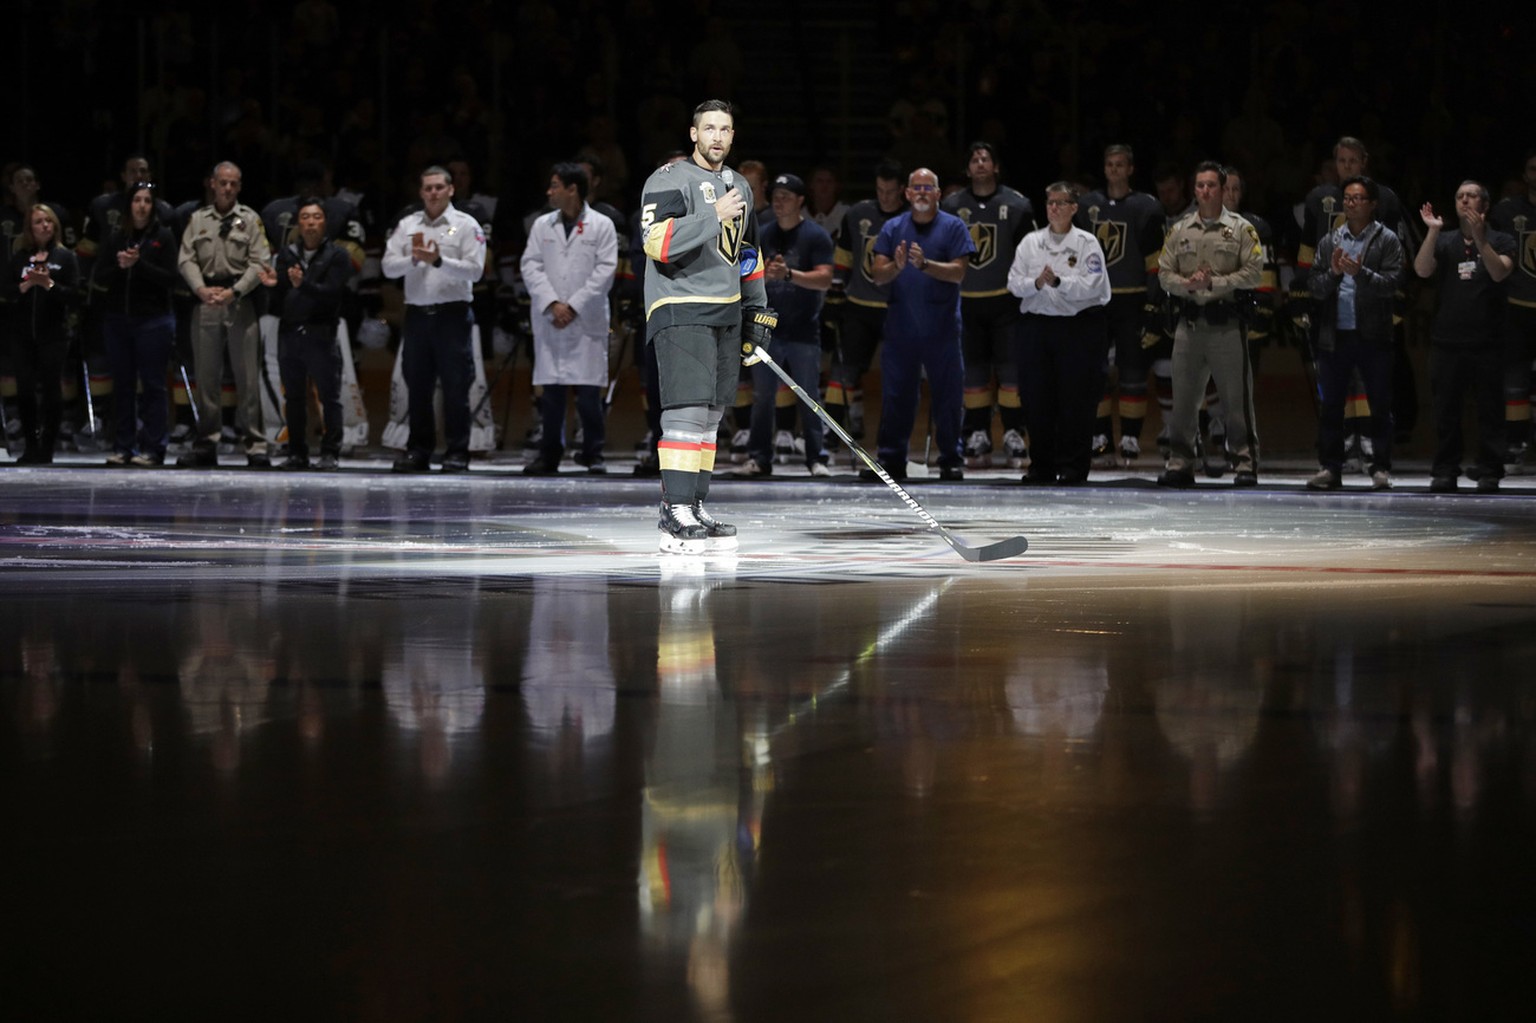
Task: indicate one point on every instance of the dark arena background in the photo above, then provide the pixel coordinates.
(362, 746)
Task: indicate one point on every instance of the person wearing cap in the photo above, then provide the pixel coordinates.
(797, 271)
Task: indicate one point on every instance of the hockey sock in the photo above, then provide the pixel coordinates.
(681, 451)
(712, 417)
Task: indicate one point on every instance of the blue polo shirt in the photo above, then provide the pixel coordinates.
(923, 307)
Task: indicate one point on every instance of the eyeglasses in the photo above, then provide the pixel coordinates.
(225, 226)
(1354, 200)
(924, 188)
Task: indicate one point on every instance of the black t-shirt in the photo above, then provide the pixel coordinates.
(804, 247)
(1472, 303)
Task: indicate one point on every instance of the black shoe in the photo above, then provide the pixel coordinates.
(261, 462)
(455, 463)
(1488, 484)
(1245, 478)
(1179, 478)
(597, 467)
(1037, 479)
(412, 461)
(328, 463)
(951, 472)
(1442, 485)
(647, 468)
(295, 462)
(540, 467)
(202, 456)
(1072, 479)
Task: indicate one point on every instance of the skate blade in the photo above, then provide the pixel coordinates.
(721, 545)
(677, 545)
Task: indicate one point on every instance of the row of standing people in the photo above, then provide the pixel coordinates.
(269, 295)
(1194, 333)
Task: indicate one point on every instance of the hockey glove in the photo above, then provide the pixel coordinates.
(757, 328)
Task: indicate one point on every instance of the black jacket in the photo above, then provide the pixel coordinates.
(317, 301)
(143, 289)
(39, 314)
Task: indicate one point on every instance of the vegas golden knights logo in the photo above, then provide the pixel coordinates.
(731, 235)
(984, 237)
(1527, 246)
(1111, 236)
(867, 260)
(1331, 219)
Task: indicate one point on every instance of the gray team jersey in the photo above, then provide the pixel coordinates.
(701, 271)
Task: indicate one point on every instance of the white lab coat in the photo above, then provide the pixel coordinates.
(576, 269)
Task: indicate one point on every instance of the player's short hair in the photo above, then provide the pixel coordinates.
(980, 146)
(435, 170)
(1350, 142)
(890, 170)
(1120, 149)
(308, 200)
(711, 105)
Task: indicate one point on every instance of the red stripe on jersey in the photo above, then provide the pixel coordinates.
(666, 242)
(756, 275)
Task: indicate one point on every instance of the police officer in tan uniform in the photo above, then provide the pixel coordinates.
(224, 254)
(1208, 256)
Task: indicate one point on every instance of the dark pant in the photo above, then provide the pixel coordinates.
(802, 361)
(38, 363)
(307, 354)
(1455, 370)
(902, 363)
(589, 409)
(436, 343)
(1061, 362)
(1373, 358)
(138, 350)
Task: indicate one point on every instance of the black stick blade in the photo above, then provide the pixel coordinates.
(1008, 548)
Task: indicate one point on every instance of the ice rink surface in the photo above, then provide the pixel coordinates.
(361, 746)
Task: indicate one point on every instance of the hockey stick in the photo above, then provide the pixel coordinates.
(991, 552)
(186, 384)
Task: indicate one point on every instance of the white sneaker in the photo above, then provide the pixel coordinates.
(978, 450)
(783, 446)
(1016, 448)
(1130, 450)
(1103, 455)
(1381, 480)
(739, 441)
(820, 469)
